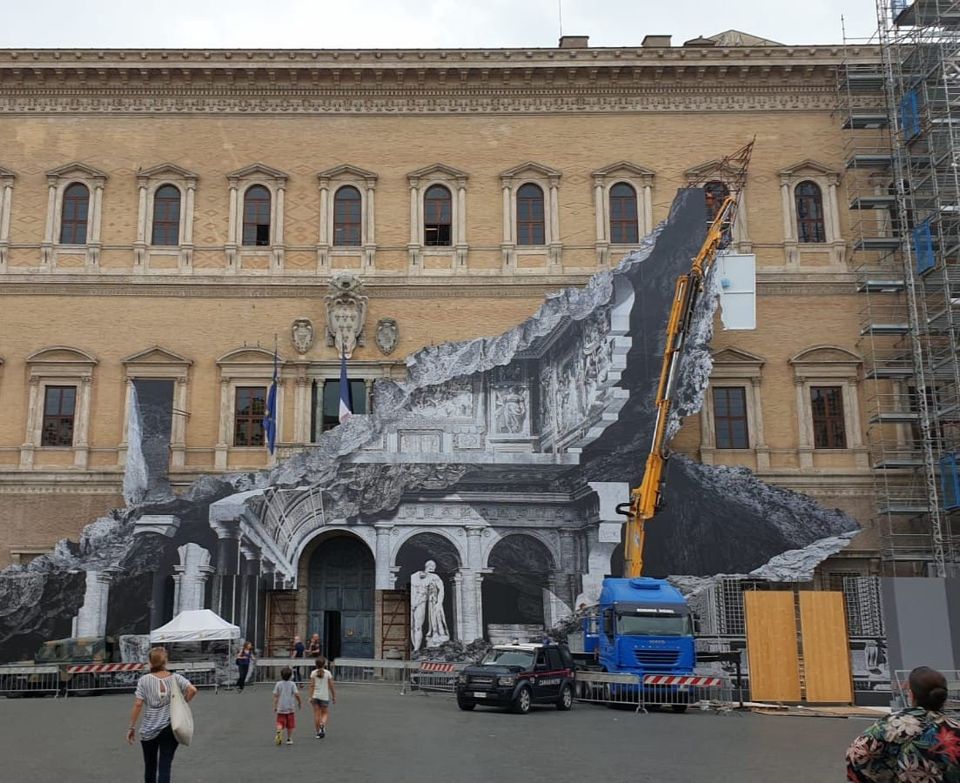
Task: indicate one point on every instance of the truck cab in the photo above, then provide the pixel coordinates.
(644, 627)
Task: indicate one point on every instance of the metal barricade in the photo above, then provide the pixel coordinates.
(708, 693)
(86, 679)
(345, 670)
(900, 686)
(201, 674)
(652, 691)
(17, 681)
(432, 676)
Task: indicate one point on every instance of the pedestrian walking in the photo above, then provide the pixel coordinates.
(314, 646)
(244, 660)
(298, 652)
(156, 734)
(916, 745)
(286, 699)
(323, 693)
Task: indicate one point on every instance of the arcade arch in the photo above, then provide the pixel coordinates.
(516, 586)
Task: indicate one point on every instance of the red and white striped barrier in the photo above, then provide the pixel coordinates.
(696, 682)
(433, 666)
(104, 668)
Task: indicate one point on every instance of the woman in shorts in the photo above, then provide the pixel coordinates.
(322, 694)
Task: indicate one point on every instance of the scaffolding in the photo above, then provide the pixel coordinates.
(901, 114)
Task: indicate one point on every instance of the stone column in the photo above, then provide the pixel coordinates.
(384, 574)
(233, 230)
(759, 440)
(190, 578)
(34, 410)
(178, 424)
(46, 249)
(250, 591)
(413, 247)
(140, 247)
(457, 587)
(93, 240)
(91, 619)
(647, 208)
(370, 238)
(804, 442)
(81, 448)
(601, 222)
(186, 241)
(228, 568)
(223, 431)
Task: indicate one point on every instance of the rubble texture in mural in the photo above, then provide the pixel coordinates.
(500, 459)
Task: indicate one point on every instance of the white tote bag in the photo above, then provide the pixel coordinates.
(181, 718)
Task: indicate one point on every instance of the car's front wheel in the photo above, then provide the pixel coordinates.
(522, 701)
(565, 702)
(465, 704)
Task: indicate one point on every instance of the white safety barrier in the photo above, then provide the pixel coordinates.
(424, 676)
(652, 691)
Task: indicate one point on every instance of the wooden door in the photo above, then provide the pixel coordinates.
(772, 646)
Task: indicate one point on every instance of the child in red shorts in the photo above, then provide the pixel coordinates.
(286, 698)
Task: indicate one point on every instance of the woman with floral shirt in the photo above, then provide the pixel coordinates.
(916, 745)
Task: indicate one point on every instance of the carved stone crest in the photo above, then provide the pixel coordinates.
(388, 335)
(302, 334)
(346, 312)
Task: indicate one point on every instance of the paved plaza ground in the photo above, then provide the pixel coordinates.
(377, 734)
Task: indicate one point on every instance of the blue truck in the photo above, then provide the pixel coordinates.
(641, 626)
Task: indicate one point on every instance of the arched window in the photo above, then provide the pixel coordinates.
(437, 217)
(623, 215)
(256, 216)
(73, 218)
(715, 191)
(347, 215)
(810, 227)
(530, 228)
(166, 216)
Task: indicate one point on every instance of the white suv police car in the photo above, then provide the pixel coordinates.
(519, 676)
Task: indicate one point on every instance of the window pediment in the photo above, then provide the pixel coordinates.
(6, 175)
(158, 355)
(437, 171)
(77, 169)
(807, 168)
(826, 354)
(625, 168)
(167, 171)
(346, 171)
(247, 356)
(257, 171)
(530, 169)
(61, 354)
(737, 356)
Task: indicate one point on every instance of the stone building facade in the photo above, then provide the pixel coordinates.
(167, 216)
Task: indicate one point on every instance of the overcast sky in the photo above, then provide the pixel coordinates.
(328, 24)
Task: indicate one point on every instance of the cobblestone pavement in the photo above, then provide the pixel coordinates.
(376, 734)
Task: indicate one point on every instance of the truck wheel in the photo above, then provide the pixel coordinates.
(465, 705)
(680, 708)
(523, 701)
(565, 702)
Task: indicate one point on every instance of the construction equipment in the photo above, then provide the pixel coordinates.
(646, 499)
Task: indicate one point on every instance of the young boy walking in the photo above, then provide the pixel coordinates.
(322, 693)
(286, 698)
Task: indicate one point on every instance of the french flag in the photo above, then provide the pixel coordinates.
(346, 402)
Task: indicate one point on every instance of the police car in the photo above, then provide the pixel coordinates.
(519, 676)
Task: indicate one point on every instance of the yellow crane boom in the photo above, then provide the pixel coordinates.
(645, 499)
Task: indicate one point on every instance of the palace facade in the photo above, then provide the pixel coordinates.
(166, 216)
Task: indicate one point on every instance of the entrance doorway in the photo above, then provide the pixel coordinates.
(340, 597)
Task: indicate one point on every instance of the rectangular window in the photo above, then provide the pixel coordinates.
(59, 408)
(730, 417)
(248, 416)
(826, 406)
(330, 412)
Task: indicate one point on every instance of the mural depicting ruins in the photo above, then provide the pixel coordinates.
(479, 495)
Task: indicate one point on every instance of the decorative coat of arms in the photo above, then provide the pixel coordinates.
(346, 313)
(388, 335)
(302, 334)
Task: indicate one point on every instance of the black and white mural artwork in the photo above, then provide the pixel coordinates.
(484, 485)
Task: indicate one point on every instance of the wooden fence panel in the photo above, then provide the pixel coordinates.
(826, 657)
(772, 646)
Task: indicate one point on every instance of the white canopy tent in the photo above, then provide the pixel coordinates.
(196, 625)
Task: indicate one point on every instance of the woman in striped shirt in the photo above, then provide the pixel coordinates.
(156, 735)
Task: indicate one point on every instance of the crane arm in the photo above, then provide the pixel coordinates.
(645, 499)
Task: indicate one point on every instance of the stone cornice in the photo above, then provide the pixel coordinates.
(459, 81)
(771, 283)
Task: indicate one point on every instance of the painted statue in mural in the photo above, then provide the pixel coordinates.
(426, 606)
(512, 410)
